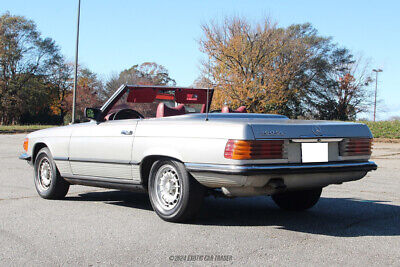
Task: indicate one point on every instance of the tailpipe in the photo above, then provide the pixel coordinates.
(274, 186)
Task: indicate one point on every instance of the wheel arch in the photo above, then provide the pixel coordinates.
(36, 148)
(146, 164)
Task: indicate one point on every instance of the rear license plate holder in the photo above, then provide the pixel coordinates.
(314, 152)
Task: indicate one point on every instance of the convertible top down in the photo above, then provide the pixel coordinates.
(164, 140)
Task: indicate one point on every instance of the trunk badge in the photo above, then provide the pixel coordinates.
(317, 130)
(273, 132)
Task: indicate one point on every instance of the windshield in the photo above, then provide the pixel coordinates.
(152, 103)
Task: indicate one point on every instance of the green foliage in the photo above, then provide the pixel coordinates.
(35, 81)
(384, 129)
(147, 73)
(26, 60)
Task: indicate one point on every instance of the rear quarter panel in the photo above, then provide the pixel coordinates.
(201, 141)
(189, 141)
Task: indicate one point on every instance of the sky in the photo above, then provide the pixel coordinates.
(115, 35)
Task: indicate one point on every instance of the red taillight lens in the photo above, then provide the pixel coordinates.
(25, 146)
(356, 147)
(249, 149)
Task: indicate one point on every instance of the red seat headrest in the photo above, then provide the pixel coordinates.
(226, 109)
(165, 111)
(241, 109)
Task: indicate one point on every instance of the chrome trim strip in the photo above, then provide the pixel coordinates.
(61, 158)
(116, 93)
(316, 140)
(105, 161)
(288, 167)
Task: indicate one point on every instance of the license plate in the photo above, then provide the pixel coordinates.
(314, 152)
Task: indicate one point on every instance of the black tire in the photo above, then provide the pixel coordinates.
(53, 188)
(186, 201)
(297, 200)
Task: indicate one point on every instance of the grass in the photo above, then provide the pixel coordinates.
(384, 129)
(22, 128)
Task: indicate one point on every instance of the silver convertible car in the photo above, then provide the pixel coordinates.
(164, 140)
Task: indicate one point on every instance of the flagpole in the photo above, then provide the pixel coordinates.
(76, 65)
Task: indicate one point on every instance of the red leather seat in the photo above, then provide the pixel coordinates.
(165, 111)
(226, 109)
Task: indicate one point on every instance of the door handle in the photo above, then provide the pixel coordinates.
(126, 132)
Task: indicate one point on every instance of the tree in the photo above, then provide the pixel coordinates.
(346, 88)
(394, 118)
(88, 93)
(61, 80)
(291, 71)
(262, 67)
(148, 73)
(25, 60)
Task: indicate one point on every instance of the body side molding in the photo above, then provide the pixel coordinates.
(126, 162)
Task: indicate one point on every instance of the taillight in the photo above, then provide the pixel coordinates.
(26, 141)
(249, 149)
(355, 147)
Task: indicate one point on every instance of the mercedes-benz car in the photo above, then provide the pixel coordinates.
(164, 140)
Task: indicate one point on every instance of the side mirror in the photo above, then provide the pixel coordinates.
(92, 113)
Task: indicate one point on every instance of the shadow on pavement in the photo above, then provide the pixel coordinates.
(120, 198)
(344, 217)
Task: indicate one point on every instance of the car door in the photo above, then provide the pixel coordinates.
(103, 150)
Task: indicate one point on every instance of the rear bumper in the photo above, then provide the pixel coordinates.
(282, 169)
(254, 179)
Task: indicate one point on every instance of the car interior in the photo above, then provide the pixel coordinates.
(151, 102)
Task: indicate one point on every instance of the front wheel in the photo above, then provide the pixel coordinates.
(174, 194)
(48, 182)
(297, 200)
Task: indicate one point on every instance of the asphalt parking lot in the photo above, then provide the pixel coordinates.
(357, 223)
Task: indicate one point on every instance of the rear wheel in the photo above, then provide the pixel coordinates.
(297, 200)
(48, 182)
(174, 194)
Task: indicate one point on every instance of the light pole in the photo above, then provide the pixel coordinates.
(76, 64)
(376, 89)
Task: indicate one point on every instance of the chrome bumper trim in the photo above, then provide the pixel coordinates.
(25, 156)
(282, 169)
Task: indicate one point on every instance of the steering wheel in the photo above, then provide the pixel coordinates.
(127, 113)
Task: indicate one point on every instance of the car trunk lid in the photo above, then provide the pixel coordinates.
(299, 129)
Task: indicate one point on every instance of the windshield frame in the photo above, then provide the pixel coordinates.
(110, 103)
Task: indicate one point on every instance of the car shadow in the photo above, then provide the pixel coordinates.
(341, 217)
(136, 200)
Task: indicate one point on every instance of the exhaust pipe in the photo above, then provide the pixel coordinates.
(274, 186)
(277, 185)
